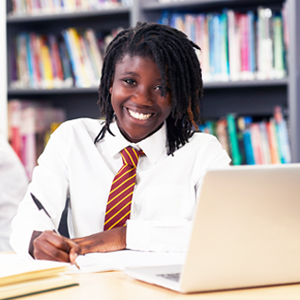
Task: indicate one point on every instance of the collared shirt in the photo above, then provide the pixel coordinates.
(166, 190)
(13, 184)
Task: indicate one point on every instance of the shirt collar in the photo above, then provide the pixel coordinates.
(153, 146)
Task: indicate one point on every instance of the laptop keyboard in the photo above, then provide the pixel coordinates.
(171, 276)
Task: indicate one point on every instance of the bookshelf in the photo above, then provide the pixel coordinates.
(257, 97)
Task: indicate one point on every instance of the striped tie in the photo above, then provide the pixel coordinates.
(119, 201)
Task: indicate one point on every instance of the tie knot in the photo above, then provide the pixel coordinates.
(131, 156)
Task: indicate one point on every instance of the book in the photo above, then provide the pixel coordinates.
(249, 154)
(232, 133)
(234, 45)
(282, 135)
(19, 277)
(36, 286)
(222, 134)
(279, 67)
(256, 143)
(46, 63)
(275, 159)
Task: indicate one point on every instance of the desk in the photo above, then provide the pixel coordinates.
(118, 286)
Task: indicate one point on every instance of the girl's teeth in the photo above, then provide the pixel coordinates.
(138, 115)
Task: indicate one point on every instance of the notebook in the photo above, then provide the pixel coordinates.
(246, 232)
(20, 278)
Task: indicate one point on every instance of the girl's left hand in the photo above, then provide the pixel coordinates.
(106, 241)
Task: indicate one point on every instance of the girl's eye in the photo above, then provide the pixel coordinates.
(130, 81)
(158, 87)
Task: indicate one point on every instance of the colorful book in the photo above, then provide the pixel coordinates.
(256, 143)
(274, 151)
(46, 63)
(222, 134)
(279, 53)
(234, 46)
(233, 140)
(249, 154)
(282, 135)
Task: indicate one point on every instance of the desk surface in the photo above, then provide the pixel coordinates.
(116, 285)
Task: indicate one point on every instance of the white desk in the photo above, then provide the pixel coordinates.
(117, 286)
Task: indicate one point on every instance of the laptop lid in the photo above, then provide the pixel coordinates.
(246, 230)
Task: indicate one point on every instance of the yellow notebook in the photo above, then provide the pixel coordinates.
(20, 278)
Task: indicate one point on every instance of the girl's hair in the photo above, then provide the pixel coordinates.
(179, 67)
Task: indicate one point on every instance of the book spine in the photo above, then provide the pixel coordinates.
(73, 59)
(47, 65)
(282, 133)
(36, 59)
(256, 143)
(90, 37)
(56, 61)
(251, 44)
(224, 47)
(222, 134)
(233, 46)
(279, 66)
(22, 60)
(79, 55)
(66, 64)
(240, 128)
(232, 132)
(265, 143)
(87, 63)
(275, 159)
(249, 154)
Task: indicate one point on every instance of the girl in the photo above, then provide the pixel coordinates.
(149, 92)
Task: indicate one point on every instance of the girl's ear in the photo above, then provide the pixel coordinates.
(111, 85)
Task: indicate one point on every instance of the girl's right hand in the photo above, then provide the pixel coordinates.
(49, 245)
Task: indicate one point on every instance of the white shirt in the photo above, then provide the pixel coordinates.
(13, 184)
(164, 198)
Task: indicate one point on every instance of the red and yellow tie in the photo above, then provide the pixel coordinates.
(119, 201)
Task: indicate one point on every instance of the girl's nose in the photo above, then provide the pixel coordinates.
(145, 96)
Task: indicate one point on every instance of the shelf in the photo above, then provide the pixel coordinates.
(69, 15)
(187, 4)
(42, 92)
(249, 83)
(92, 90)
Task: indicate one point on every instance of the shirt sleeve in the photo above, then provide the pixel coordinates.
(50, 186)
(173, 234)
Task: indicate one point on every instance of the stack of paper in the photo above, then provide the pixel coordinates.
(19, 278)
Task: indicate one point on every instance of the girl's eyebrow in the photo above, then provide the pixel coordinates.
(130, 73)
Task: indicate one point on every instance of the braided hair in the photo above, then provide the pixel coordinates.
(178, 65)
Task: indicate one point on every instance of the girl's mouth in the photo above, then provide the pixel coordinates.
(139, 116)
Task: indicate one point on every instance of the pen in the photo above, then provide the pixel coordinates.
(41, 207)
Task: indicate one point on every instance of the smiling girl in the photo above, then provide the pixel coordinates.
(150, 93)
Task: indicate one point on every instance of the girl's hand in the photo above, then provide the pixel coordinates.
(49, 245)
(106, 241)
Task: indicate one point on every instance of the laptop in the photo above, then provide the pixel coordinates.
(246, 233)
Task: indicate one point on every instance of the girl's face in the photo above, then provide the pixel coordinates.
(136, 98)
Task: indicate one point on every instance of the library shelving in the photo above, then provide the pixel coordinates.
(247, 97)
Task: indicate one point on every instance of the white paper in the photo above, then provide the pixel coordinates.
(119, 260)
